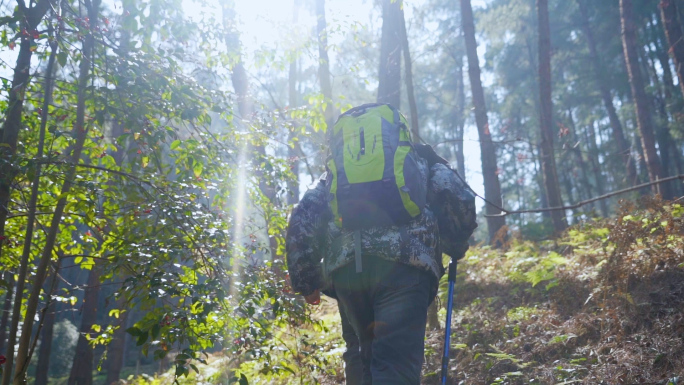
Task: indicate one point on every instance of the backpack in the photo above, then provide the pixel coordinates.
(376, 179)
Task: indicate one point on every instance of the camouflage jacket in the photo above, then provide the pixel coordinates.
(445, 225)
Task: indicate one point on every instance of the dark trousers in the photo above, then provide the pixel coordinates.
(353, 367)
(386, 305)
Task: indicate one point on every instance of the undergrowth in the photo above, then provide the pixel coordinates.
(603, 304)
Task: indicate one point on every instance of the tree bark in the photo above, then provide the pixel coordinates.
(487, 149)
(408, 71)
(50, 315)
(673, 31)
(460, 117)
(82, 367)
(643, 111)
(6, 309)
(547, 153)
(9, 133)
(601, 79)
(324, 63)
(117, 348)
(581, 164)
(590, 137)
(292, 149)
(80, 132)
(389, 85)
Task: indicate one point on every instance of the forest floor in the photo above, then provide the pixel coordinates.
(604, 304)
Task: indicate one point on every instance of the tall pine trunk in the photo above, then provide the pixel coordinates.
(324, 62)
(9, 133)
(460, 116)
(408, 71)
(547, 153)
(673, 31)
(487, 149)
(6, 310)
(601, 79)
(292, 153)
(636, 81)
(82, 367)
(389, 85)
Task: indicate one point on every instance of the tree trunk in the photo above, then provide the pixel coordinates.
(82, 367)
(28, 235)
(46, 344)
(6, 309)
(324, 63)
(487, 149)
(581, 165)
(460, 117)
(389, 86)
(80, 132)
(590, 137)
(601, 79)
(547, 153)
(9, 133)
(117, 348)
(408, 71)
(636, 81)
(673, 31)
(292, 149)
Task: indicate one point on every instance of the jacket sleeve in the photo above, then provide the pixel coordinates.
(453, 203)
(303, 240)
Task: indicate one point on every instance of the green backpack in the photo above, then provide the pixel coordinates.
(376, 179)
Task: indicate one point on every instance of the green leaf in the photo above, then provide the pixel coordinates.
(175, 144)
(62, 58)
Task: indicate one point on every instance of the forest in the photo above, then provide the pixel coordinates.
(152, 151)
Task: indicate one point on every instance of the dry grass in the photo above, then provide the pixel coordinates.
(611, 310)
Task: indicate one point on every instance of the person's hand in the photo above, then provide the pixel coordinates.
(313, 298)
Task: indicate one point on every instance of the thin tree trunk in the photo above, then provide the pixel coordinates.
(28, 236)
(577, 150)
(117, 348)
(547, 153)
(6, 309)
(643, 112)
(601, 79)
(460, 117)
(292, 149)
(80, 132)
(324, 62)
(9, 133)
(389, 85)
(82, 367)
(663, 136)
(408, 71)
(590, 136)
(487, 149)
(673, 31)
(48, 322)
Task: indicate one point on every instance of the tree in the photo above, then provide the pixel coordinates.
(324, 62)
(643, 111)
(487, 149)
(601, 80)
(389, 79)
(673, 31)
(415, 129)
(546, 150)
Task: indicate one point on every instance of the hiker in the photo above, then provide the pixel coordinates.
(380, 219)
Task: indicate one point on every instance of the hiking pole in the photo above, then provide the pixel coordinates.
(447, 327)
